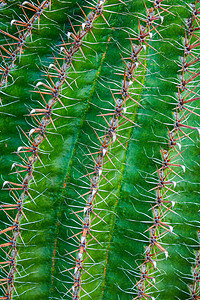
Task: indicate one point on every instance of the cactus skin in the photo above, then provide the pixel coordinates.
(42, 261)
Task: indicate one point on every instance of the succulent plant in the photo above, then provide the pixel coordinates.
(99, 149)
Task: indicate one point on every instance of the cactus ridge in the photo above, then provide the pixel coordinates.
(52, 89)
(148, 267)
(107, 140)
(167, 173)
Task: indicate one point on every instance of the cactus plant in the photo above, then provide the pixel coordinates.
(99, 149)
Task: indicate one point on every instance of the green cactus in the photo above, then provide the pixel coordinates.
(99, 149)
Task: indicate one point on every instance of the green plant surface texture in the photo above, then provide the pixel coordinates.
(135, 198)
(50, 230)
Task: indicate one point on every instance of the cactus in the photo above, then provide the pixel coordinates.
(99, 149)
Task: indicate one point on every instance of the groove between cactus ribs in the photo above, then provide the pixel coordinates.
(24, 29)
(166, 183)
(35, 137)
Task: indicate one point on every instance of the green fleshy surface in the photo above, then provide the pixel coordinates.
(43, 259)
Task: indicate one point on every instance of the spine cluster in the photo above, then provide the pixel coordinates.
(187, 94)
(194, 288)
(159, 228)
(29, 154)
(11, 50)
(2, 3)
(113, 121)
